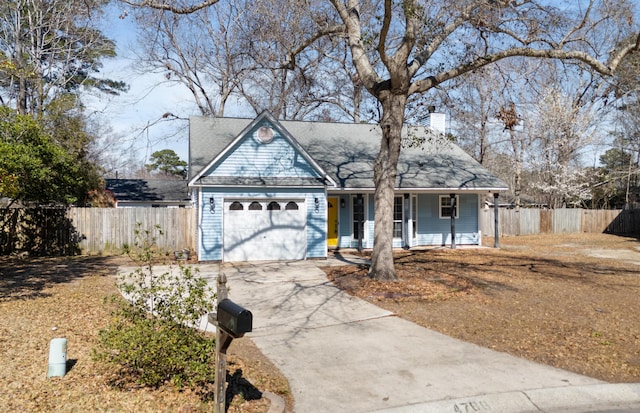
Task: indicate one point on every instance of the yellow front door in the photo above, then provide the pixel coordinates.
(332, 222)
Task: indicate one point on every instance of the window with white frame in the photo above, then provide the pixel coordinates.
(358, 215)
(397, 217)
(414, 217)
(445, 206)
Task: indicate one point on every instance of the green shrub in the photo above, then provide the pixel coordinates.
(150, 338)
(152, 351)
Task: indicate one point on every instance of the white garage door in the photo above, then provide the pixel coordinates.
(258, 230)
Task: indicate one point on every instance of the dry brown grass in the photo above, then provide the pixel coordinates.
(570, 301)
(41, 299)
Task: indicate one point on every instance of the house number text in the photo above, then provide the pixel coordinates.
(471, 406)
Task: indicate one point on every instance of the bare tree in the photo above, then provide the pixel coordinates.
(239, 49)
(412, 43)
(177, 7)
(202, 51)
(547, 112)
(564, 126)
(491, 107)
(313, 77)
(423, 44)
(625, 90)
(473, 105)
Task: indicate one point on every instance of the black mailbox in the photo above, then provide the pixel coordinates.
(234, 319)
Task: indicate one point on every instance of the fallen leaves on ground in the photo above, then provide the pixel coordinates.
(548, 298)
(45, 298)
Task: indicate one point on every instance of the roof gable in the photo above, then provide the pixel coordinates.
(262, 153)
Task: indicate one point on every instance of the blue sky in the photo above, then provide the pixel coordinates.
(137, 116)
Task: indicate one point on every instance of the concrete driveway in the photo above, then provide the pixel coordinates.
(342, 354)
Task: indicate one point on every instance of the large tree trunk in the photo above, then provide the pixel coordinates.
(384, 172)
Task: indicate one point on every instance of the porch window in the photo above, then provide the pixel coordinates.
(414, 217)
(445, 206)
(255, 206)
(358, 215)
(291, 206)
(397, 217)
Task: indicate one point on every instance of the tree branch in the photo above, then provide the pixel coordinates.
(579, 26)
(350, 15)
(291, 59)
(423, 56)
(410, 34)
(384, 32)
(607, 69)
(616, 59)
(160, 5)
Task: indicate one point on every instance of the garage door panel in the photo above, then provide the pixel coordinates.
(256, 235)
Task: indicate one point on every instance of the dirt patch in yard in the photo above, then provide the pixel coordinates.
(570, 301)
(41, 299)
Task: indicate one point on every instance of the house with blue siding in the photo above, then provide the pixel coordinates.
(290, 190)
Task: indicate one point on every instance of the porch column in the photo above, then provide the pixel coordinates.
(453, 221)
(496, 221)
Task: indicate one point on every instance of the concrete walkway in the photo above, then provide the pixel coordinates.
(343, 354)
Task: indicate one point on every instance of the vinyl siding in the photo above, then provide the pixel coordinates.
(250, 158)
(210, 227)
(370, 224)
(433, 230)
(345, 222)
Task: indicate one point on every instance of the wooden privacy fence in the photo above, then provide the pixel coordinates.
(109, 229)
(61, 231)
(44, 231)
(531, 221)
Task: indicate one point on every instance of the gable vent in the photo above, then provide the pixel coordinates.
(265, 134)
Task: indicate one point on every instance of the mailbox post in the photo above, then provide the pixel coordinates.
(232, 321)
(221, 358)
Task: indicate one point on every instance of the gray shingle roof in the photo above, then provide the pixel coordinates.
(148, 190)
(346, 152)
